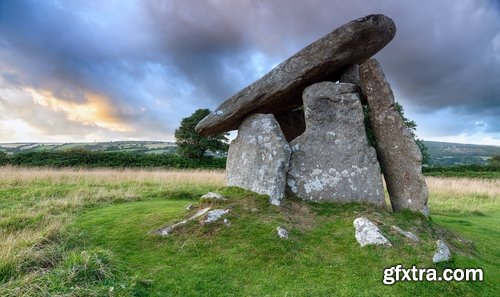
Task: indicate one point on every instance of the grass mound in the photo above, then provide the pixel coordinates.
(320, 258)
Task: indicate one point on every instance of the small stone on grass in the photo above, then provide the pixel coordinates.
(369, 234)
(282, 232)
(443, 253)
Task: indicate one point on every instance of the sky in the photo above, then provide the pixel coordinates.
(95, 70)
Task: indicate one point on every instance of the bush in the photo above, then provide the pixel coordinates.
(3, 158)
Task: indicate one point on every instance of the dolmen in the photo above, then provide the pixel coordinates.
(301, 126)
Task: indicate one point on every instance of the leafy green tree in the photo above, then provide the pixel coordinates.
(3, 158)
(412, 126)
(192, 145)
(494, 161)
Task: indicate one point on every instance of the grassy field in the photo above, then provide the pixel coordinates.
(88, 233)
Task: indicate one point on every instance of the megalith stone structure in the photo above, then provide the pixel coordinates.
(301, 130)
(397, 151)
(259, 156)
(332, 160)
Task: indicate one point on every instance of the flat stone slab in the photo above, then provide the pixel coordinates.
(215, 215)
(258, 157)
(213, 196)
(325, 59)
(165, 231)
(332, 160)
(407, 234)
(399, 155)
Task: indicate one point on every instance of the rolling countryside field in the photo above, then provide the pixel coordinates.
(440, 153)
(83, 232)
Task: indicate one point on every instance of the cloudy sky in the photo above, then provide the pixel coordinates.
(130, 70)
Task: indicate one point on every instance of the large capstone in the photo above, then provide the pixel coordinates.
(332, 160)
(325, 59)
(259, 156)
(399, 155)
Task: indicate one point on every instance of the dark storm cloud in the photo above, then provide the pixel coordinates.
(154, 62)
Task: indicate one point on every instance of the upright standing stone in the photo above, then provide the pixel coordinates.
(259, 156)
(332, 160)
(399, 155)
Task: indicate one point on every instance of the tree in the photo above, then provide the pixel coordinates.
(192, 145)
(3, 158)
(494, 161)
(412, 126)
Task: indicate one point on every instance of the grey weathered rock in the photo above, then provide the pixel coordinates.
(332, 159)
(407, 234)
(258, 158)
(443, 253)
(282, 232)
(399, 155)
(215, 215)
(369, 234)
(280, 90)
(350, 75)
(167, 230)
(213, 196)
(189, 207)
(227, 222)
(292, 123)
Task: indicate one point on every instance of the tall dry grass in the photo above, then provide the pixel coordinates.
(460, 186)
(36, 204)
(463, 196)
(21, 175)
(16, 175)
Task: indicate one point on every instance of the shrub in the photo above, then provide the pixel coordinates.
(89, 159)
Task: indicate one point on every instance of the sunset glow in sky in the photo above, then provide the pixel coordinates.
(94, 70)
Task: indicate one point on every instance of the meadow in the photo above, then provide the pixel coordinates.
(88, 232)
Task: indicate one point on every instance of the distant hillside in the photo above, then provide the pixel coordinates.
(447, 154)
(150, 147)
(441, 153)
(145, 147)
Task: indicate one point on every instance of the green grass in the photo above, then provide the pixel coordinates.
(93, 237)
